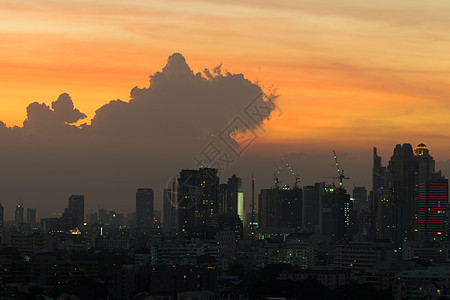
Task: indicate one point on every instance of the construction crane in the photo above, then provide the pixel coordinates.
(340, 172)
(277, 174)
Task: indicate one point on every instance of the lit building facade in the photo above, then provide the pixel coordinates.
(433, 202)
(338, 216)
(198, 199)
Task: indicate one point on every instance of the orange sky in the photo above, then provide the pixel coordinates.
(350, 72)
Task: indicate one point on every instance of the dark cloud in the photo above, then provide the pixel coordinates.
(128, 144)
(179, 109)
(43, 119)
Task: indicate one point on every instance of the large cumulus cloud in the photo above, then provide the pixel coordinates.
(179, 107)
(62, 114)
(128, 144)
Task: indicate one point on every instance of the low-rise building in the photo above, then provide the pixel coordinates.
(361, 255)
(421, 284)
(331, 278)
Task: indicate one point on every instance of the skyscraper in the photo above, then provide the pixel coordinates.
(360, 196)
(280, 208)
(208, 203)
(198, 199)
(268, 208)
(1, 215)
(187, 192)
(433, 203)
(338, 217)
(425, 161)
(312, 201)
(18, 215)
(170, 211)
(402, 182)
(144, 208)
(31, 215)
(223, 197)
(76, 209)
(235, 197)
(377, 195)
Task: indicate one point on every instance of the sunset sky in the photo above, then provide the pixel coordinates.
(350, 74)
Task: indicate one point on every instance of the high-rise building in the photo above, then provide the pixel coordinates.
(1, 215)
(425, 161)
(18, 215)
(31, 215)
(402, 181)
(198, 199)
(280, 208)
(208, 203)
(360, 198)
(188, 192)
(231, 197)
(377, 195)
(103, 216)
(338, 216)
(433, 203)
(312, 201)
(385, 220)
(223, 197)
(144, 208)
(235, 197)
(170, 211)
(268, 208)
(76, 209)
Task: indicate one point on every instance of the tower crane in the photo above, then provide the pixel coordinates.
(277, 174)
(341, 175)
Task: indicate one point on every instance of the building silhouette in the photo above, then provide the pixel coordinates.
(407, 174)
(402, 182)
(76, 210)
(360, 198)
(144, 208)
(198, 200)
(188, 192)
(2, 215)
(170, 212)
(280, 207)
(312, 201)
(31, 215)
(235, 197)
(338, 216)
(18, 215)
(425, 162)
(377, 199)
(223, 197)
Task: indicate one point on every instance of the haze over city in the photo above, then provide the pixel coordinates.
(349, 76)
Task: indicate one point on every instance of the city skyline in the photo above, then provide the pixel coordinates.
(281, 180)
(240, 149)
(362, 94)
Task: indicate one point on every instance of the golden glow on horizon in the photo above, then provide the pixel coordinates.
(347, 71)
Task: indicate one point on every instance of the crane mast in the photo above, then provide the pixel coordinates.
(341, 175)
(277, 174)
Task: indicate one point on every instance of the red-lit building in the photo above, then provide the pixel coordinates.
(433, 201)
